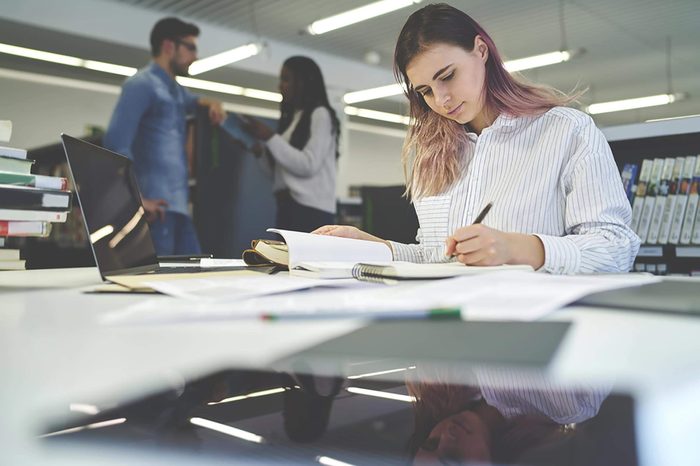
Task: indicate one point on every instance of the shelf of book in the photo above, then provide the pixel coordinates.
(660, 169)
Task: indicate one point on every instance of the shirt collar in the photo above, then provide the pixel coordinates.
(156, 69)
(504, 120)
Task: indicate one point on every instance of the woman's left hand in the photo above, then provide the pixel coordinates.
(257, 129)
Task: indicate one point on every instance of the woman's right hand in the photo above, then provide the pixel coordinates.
(347, 231)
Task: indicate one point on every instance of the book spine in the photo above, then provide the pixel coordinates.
(35, 229)
(661, 197)
(33, 215)
(9, 164)
(650, 199)
(9, 254)
(682, 199)
(691, 208)
(669, 208)
(13, 265)
(5, 130)
(58, 183)
(629, 173)
(638, 202)
(28, 198)
(13, 152)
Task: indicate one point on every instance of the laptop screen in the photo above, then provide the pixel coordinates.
(111, 205)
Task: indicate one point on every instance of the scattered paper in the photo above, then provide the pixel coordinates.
(207, 263)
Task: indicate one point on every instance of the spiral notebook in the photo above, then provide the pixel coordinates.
(397, 270)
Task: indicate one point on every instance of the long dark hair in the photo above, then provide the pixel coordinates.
(434, 146)
(310, 93)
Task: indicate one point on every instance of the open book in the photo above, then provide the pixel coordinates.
(319, 256)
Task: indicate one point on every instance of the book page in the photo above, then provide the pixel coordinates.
(307, 247)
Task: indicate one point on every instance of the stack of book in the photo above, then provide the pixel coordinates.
(665, 199)
(29, 203)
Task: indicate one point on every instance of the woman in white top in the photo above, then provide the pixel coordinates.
(480, 136)
(302, 155)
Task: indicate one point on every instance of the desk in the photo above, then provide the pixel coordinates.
(54, 352)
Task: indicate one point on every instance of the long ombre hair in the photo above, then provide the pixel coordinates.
(433, 151)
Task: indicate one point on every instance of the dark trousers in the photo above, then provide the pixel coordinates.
(297, 217)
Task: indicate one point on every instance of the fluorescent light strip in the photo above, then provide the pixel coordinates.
(328, 461)
(631, 104)
(224, 58)
(672, 118)
(373, 93)
(357, 15)
(378, 394)
(96, 425)
(226, 429)
(375, 115)
(537, 61)
(372, 374)
(374, 129)
(25, 76)
(128, 71)
(271, 391)
(83, 408)
(520, 64)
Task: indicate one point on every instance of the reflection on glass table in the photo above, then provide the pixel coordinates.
(368, 413)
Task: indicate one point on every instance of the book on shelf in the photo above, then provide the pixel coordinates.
(692, 207)
(629, 175)
(37, 181)
(9, 254)
(19, 264)
(670, 205)
(15, 228)
(674, 235)
(640, 193)
(33, 215)
(660, 202)
(5, 130)
(12, 164)
(28, 198)
(650, 199)
(319, 256)
(13, 152)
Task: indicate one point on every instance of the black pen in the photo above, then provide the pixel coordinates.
(482, 214)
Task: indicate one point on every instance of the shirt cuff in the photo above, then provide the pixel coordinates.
(276, 144)
(561, 256)
(402, 252)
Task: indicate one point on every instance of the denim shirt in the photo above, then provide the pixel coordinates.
(149, 126)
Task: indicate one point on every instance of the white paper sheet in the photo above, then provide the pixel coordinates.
(498, 296)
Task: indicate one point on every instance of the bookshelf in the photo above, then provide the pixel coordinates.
(631, 145)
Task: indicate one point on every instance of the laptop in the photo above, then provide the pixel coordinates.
(113, 214)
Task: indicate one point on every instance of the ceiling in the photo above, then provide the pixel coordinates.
(625, 42)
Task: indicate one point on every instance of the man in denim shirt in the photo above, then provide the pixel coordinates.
(149, 126)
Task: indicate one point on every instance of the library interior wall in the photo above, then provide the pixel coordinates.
(40, 112)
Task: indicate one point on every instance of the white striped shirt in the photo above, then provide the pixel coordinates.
(516, 394)
(551, 175)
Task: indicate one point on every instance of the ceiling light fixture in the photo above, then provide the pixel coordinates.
(128, 71)
(357, 15)
(631, 104)
(66, 60)
(224, 58)
(376, 115)
(526, 63)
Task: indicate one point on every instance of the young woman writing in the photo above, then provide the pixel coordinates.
(480, 136)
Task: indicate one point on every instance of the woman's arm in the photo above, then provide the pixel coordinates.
(309, 160)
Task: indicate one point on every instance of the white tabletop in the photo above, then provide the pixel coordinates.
(56, 352)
